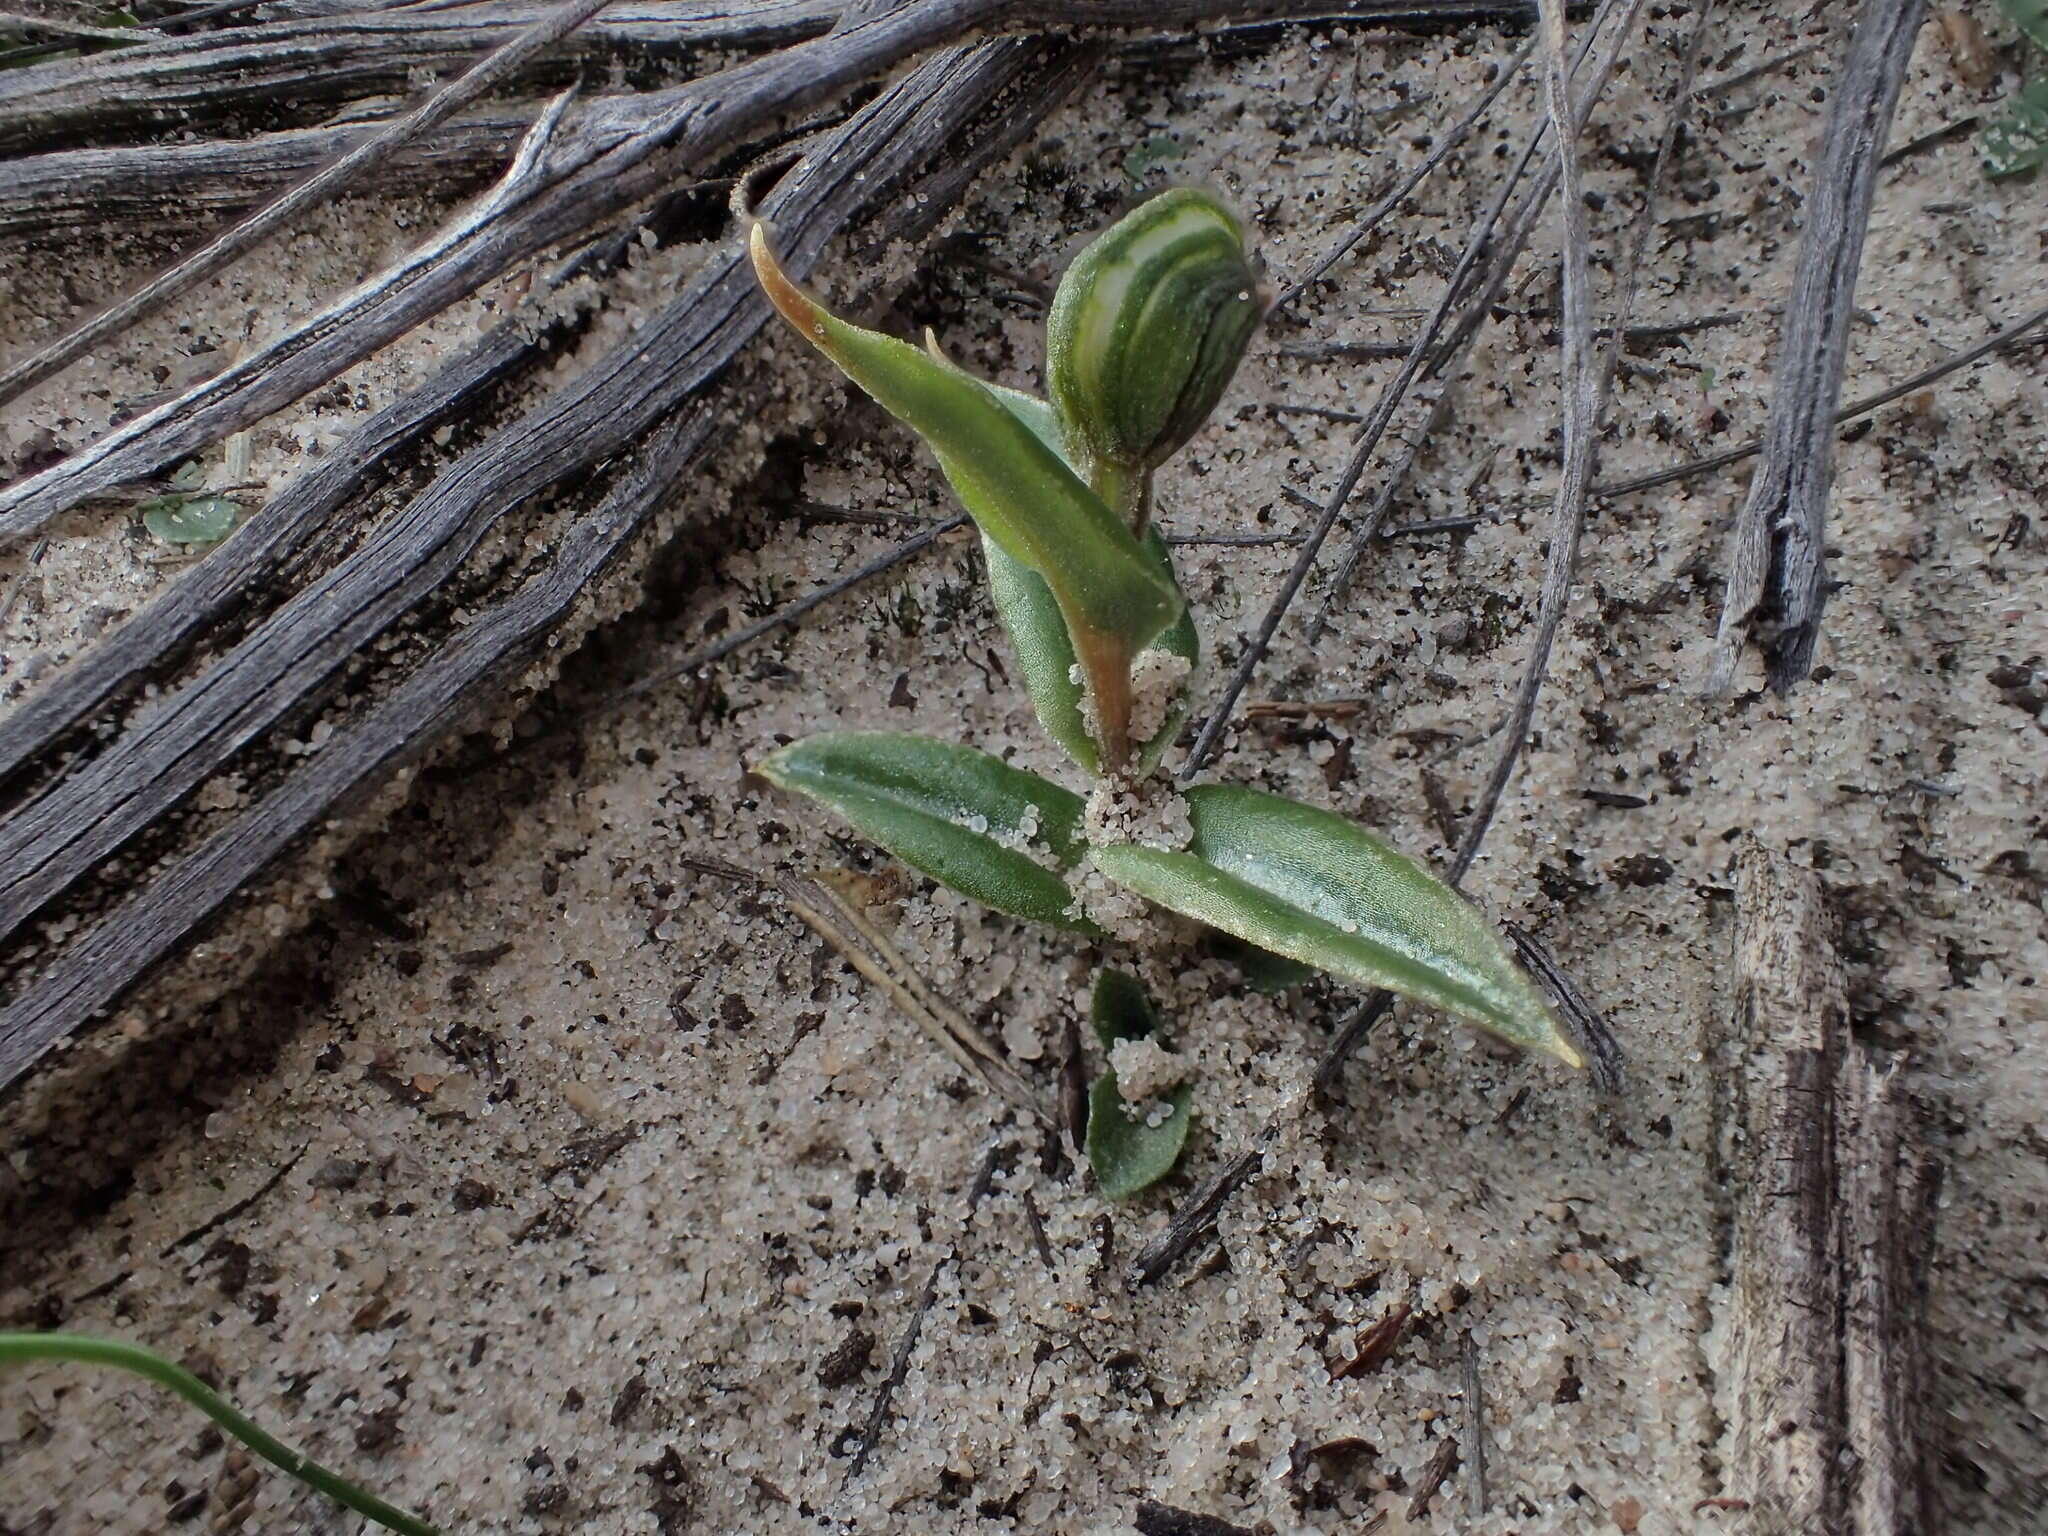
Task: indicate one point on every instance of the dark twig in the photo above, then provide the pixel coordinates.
(1375, 524)
(2019, 330)
(1198, 1213)
(1604, 53)
(1475, 1426)
(1777, 565)
(782, 618)
(899, 1369)
(1478, 244)
(1156, 1519)
(1440, 1467)
(229, 246)
(1584, 1023)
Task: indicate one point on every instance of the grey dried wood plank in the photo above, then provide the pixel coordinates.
(612, 154)
(300, 68)
(180, 187)
(293, 657)
(1777, 565)
(1833, 1234)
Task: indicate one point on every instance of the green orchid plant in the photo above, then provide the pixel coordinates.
(1145, 332)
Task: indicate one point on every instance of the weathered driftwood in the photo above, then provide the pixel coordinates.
(325, 184)
(97, 827)
(1777, 567)
(213, 79)
(573, 175)
(661, 377)
(1833, 1231)
(180, 187)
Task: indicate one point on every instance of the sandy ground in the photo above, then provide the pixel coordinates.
(567, 1189)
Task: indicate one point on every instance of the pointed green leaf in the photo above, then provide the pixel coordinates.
(1119, 1009)
(970, 821)
(1018, 490)
(1263, 971)
(1126, 1154)
(2017, 139)
(1311, 886)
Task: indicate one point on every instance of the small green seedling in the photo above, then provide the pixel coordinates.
(80, 1349)
(1145, 332)
(1132, 1142)
(188, 514)
(2017, 139)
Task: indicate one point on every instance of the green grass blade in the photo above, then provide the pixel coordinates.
(20, 1348)
(1311, 886)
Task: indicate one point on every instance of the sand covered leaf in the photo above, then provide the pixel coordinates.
(970, 821)
(1311, 886)
(2017, 139)
(1131, 1146)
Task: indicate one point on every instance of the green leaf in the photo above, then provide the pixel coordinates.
(190, 519)
(1263, 971)
(1045, 655)
(1120, 1010)
(970, 821)
(1038, 631)
(2030, 16)
(2017, 140)
(1152, 154)
(1126, 1153)
(1309, 885)
(1017, 488)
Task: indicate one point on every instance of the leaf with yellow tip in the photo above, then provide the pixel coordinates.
(1018, 490)
(1311, 886)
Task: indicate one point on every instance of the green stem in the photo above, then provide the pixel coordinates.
(19, 1348)
(1126, 492)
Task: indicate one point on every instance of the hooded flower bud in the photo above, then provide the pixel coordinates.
(1147, 328)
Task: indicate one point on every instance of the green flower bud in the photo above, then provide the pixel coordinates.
(1147, 328)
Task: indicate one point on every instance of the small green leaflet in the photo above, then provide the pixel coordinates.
(1126, 1153)
(971, 821)
(2030, 16)
(2017, 140)
(1309, 885)
(190, 519)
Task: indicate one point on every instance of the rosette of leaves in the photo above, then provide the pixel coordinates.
(1143, 336)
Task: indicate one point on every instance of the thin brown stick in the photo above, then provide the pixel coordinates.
(1479, 243)
(232, 244)
(782, 618)
(1448, 141)
(2019, 330)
